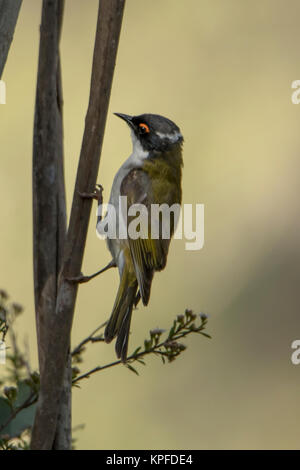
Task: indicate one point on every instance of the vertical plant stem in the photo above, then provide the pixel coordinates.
(49, 205)
(109, 22)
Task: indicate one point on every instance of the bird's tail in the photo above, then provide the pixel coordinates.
(119, 322)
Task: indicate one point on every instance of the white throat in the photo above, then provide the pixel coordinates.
(138, 153)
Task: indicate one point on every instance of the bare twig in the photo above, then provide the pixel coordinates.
(89, 339)
(87, 375)
(107, 37)
(28, 402)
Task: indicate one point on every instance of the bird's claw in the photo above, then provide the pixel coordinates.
(78, 279)
(97, 194)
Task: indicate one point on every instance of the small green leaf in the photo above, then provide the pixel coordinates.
(11, 394)
(172, 331)
(141, 361)
(205, 334)
(132, 369)
(136, 351)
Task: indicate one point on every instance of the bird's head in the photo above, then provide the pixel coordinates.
(152, 133)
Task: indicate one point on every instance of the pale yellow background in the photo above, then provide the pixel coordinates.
(222, 70)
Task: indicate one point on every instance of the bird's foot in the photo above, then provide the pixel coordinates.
(97, 194)
(79, 279)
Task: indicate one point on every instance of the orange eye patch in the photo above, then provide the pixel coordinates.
(144, 128)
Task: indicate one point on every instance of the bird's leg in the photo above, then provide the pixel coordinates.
(97, 194)
(81, 279)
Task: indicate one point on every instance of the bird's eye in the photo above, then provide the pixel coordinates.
(144, 129)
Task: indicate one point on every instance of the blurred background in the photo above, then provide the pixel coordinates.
(222, 70)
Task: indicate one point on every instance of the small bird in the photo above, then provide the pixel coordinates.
(151, 175)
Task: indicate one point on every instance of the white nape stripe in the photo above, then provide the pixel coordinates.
(174, 137)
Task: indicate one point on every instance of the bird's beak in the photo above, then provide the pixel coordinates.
(125, 118)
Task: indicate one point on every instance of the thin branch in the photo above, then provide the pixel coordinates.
(96, 369)
(28, 402)
(169, 348)
(133, 357)
(109, 22)
(88, 339)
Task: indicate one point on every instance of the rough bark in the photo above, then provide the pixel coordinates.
(49, 213)
(109, 22)
(49, 206)
(9, 12)
(63, 432)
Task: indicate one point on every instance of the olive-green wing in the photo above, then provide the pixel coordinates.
(148, 255)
